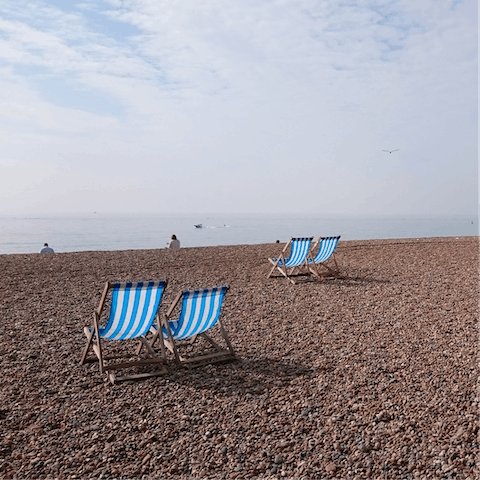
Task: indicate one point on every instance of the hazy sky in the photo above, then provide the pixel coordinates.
(217, 106)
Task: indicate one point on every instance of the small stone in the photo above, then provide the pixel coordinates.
(364, 448)
(278, 459)
(224, 450)
(331, 467)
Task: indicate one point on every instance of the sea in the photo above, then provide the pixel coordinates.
(96, 231)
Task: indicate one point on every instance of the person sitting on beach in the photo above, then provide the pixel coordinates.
(46, 249)
(174, 242)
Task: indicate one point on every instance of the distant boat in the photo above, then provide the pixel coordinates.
(198, 226)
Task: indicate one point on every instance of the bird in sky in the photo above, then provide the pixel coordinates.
(391, 151)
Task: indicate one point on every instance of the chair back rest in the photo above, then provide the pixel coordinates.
(327, 247)
(299, 252)
(200, 311)
(133, 309)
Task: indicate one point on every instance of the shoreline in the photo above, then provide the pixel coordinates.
(369, 376)
(394, 241)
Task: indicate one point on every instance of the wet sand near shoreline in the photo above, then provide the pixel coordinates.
(374, 375)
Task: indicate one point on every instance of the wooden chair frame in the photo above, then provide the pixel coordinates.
(94, 341)
(220, 355)
(314, 267)
(288, 272)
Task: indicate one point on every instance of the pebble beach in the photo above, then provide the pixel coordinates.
(373, 375)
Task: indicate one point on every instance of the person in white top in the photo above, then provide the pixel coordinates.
(174, 242)
(46, 249)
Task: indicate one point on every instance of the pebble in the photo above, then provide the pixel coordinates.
(324, 364)
(330, 468)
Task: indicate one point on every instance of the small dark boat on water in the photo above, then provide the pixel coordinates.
(198, 226)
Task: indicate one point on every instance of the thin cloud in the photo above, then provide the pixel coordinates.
(253, 96)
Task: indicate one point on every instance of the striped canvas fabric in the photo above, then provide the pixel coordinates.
(299, 252)
(134, 306)
(200, 312)
(327, 247)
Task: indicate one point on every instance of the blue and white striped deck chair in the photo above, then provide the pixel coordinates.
(326, 248)
(200, 312)
(133, 310)
(299, 254)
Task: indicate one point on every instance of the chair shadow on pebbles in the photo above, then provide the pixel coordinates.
(250, 376)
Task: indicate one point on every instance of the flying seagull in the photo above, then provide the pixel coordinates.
(391, 151)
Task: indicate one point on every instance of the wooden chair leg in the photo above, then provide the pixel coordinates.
(281, 257)
(275, 265)
(212, 341)
(225, 336)
(89, 334)
(170, 343)
(139, 348)
(98, 347)
(162, 348)
(336, 265)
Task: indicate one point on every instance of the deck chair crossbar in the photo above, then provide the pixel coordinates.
(299, 255)
(133, 310)
(326, 248)
(200, 312)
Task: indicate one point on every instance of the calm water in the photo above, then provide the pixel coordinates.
(27, 234)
